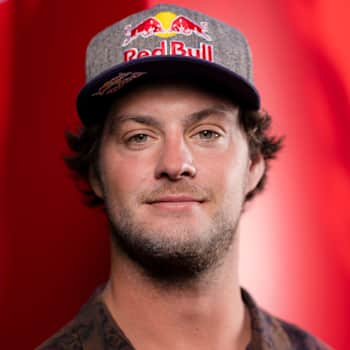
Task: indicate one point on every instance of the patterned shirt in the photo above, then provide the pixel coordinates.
(95, 329)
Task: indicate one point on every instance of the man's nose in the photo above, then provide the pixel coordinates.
(175, 160)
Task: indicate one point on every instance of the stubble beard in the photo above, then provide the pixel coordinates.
(169, 260)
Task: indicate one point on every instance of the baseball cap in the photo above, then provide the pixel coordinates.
(165, 41)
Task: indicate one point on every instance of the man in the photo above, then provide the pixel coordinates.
(173, 145)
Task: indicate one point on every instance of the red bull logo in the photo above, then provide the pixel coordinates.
(145, 29)
(166, 24)
(174, 47)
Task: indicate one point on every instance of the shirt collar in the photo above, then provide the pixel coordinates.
(266, 331)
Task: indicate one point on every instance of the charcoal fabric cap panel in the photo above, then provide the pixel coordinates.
(165, 41)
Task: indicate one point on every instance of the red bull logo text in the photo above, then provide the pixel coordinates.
(166, 24)
(174, 47)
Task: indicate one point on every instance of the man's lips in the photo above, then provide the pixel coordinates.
(175, 202)
(175, 199)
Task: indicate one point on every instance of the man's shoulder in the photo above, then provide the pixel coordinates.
(298, 337)
(72, 335)
(271, 332)
(92, 328)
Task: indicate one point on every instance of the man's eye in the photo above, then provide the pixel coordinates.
(138, 138)
(208, 134)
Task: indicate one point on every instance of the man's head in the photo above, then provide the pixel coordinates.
(173, 170)
(172, 158)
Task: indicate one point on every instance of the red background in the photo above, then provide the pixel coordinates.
(295, 255)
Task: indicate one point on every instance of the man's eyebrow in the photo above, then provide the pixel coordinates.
(218, 110)
(119, 119)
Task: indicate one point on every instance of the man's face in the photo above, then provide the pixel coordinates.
(174, 170)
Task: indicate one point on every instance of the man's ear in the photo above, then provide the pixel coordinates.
(256, 169)
(95, 182)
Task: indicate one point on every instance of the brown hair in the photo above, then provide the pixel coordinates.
(256, 124)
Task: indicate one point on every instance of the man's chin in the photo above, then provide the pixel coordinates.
(168, 260)
(173, 254)
(175, 233)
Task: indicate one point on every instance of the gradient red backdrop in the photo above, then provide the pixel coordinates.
(295, 242)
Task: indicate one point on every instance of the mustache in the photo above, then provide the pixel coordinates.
(182, 188)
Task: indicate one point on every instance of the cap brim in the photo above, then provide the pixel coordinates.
(92, 106)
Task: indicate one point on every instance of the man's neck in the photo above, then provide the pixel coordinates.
(207, 314)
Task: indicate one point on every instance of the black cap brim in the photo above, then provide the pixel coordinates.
(92, 107)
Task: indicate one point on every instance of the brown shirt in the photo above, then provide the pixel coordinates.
(95, 329)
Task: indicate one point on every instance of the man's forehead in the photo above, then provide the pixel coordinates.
(221, 112)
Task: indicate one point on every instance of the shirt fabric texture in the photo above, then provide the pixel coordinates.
(95, 329)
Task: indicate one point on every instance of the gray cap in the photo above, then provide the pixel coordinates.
(165, 41)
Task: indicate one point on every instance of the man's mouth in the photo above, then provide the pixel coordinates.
(175, 202)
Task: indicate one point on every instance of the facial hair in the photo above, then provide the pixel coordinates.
(173, 259)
